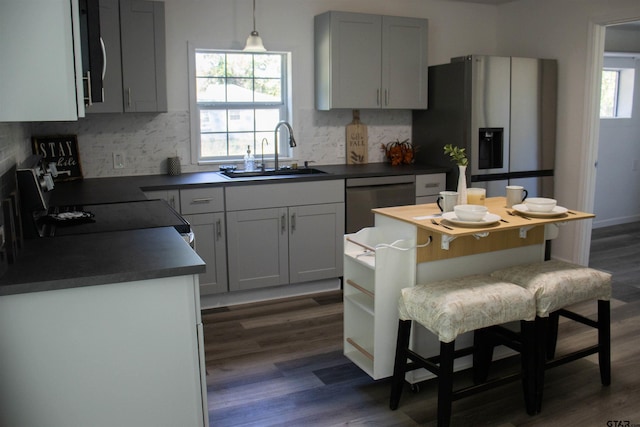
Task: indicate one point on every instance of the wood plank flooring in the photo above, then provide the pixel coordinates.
(280, 363)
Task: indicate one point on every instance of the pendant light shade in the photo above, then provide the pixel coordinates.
(254, 42)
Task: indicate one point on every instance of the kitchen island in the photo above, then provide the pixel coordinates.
(406, 248)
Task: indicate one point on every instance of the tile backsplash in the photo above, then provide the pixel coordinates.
(147, 140)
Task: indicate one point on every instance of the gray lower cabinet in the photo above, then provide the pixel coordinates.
(284, 233)
(133, 33)
(210, 244)
(204, 209)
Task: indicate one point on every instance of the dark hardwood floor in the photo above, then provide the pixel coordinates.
(280, 363)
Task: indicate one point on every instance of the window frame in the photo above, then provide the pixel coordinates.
(284, 151)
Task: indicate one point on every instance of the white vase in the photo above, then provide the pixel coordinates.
(462, 185)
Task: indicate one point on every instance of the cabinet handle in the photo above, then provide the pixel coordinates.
(377, 96)
(129, 97)
(283, 224)
(104, 58)
(201, 200)
(88, 98)
(172, 201)
(219, 229)
(431, 185)
(293, 222)
(386, 97)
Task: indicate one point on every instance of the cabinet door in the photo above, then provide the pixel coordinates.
(315, 242)
(110, 30)
(142, 34)
(404, 62)
(354, 58)
(210, 245)
(39, 72)
(257, 245)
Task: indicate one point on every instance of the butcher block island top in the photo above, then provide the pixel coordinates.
(449, 239)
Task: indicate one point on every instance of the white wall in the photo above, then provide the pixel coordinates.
(564, 29)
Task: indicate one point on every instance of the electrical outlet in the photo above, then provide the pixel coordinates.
(118, 160)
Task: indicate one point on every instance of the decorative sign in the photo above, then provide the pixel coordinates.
(357, 141)
(61, 150)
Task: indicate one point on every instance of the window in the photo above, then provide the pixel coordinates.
(616, 96)
(239, 99)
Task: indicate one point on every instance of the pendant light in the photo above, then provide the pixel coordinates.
(254, 42)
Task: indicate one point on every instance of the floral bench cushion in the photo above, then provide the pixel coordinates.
(558, 284)
(451, 307)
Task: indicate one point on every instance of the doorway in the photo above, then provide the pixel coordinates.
(618, 159)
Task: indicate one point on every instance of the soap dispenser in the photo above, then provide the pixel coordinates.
(249, 160)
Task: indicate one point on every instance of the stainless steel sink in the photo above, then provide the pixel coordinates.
(272, 172)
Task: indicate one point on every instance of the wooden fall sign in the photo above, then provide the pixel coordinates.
(357, 141)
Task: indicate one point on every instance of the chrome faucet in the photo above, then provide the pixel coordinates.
(292, 142)
(264, 141)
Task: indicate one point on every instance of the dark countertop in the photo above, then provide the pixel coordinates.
(87, 260)
(125, 189)
(100, 258)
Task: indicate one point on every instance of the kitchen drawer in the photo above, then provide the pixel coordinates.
(201, 200)
(429, 185)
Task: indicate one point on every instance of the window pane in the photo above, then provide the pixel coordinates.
(268, 66)
(210, 89)
(213, 120)
(241, 121)
(239, 65)
(210, 64)
(608, 93)
(266, 120)
(240, 90)
(213, 145)
(238, 143)
(268, 90)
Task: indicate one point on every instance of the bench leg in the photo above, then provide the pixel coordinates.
(541, 354)
(445, 383)
(400, 365)
(482, 355)
(552, 334)
(528, 357)
(604, 341)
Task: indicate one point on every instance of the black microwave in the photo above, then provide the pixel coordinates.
(94, 57)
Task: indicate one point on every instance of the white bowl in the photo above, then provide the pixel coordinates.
(470, 212)
(540, 204)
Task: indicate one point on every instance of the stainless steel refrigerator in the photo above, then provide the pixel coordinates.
(503, 111)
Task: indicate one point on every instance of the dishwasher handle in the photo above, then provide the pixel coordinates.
(381, 180)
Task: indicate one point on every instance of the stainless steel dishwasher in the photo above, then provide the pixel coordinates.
(364, 194)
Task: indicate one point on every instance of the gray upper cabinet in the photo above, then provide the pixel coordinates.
(370, 61)
(134, 36)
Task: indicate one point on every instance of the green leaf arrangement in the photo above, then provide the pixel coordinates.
(457, 154)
